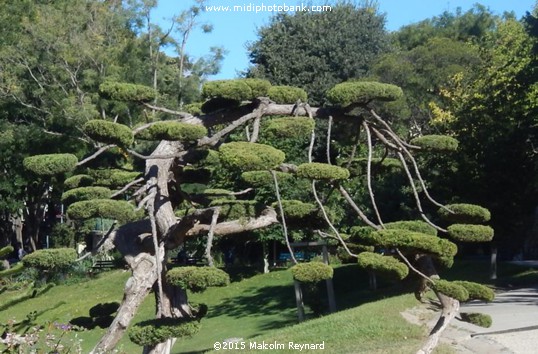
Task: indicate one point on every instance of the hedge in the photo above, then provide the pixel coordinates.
(465, 214)
(250, 156)
(413, 225)
(361, 92)
(451, 289)
(50, 259)
(470, 233)
(174, 131)
(287, 94)
(311, 272)
(316, 170)
(477, 291)
(152, 332)
(478, 319)
(264, 178)
(290, 127)
(120, 91)
(50, 164)
(85, 193)
(102, 208)
(109, 132)
(197, 279)
(78, 181)
(436, 143)
(382, 264)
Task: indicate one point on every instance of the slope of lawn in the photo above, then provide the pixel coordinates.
(258, 308)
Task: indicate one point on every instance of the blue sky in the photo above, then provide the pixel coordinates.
(233, 30)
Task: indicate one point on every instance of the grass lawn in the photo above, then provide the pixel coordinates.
(258, 308)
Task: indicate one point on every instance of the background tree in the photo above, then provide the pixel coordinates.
(315, 51)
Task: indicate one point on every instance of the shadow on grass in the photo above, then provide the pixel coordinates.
(31, 294)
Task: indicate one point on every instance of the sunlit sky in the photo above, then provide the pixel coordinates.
(233, 30)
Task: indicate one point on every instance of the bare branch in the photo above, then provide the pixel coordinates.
(210, 235)
(369, 171)
(155, 157)
(95, 154)
(281, 209)
(127, 186)
(359, 212)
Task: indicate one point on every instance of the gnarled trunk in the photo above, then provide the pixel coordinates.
(449, 306)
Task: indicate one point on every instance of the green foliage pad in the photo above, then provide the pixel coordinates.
(50, 164)
(311, 272)
(78, 181)
(316, 170)
(250, 156)
(477, 291)
(85, 193)
(287, 94)
(382, 264)
(470, 233)
(109, 132)
(361, 92)
(465, 214)
(451, 289)
(102, 208)
(173, 131)
(436, 143)
(197, 279)
(156, 331)
(120, 91)
(290, 127)
(478, 319)
(50, 259)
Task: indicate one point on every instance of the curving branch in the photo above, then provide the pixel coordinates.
(95, 154)
(326, 217)
(415, 193)
(281, 209)
(369, 171)
(355, 207)
(127, 186)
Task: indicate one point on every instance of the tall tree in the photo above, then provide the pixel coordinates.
(316, 50)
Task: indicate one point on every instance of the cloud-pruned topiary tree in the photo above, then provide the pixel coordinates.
(174, 200)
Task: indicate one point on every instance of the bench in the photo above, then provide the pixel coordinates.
(104, 264)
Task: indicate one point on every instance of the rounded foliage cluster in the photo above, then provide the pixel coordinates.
(409, 240)
(382, 264)
(451, 289)
(264, 178)
(361, 92)
(317, 170)
(109, 132)
(197, 279)
(217, 193)
(413, 225)
(311, 272)
(236, 90)
(477, 291)
(470, 233)
(436, 143)
(295, 208)
(50, 164)
(85, 193)
(78, 181)
(152, 332)
(50, 259)
(102, 208)
(246, 156)
(174, 131)
(465, 214)
(193, 108)
(478, 319)
(121, 91)
(290, 127)
(287, 94)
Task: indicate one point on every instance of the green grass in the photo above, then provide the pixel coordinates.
(261, 308)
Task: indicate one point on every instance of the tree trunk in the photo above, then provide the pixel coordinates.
(265, 257)
(450, 306)
(136, 289)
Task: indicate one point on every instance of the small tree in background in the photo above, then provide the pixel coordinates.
(172, 199)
